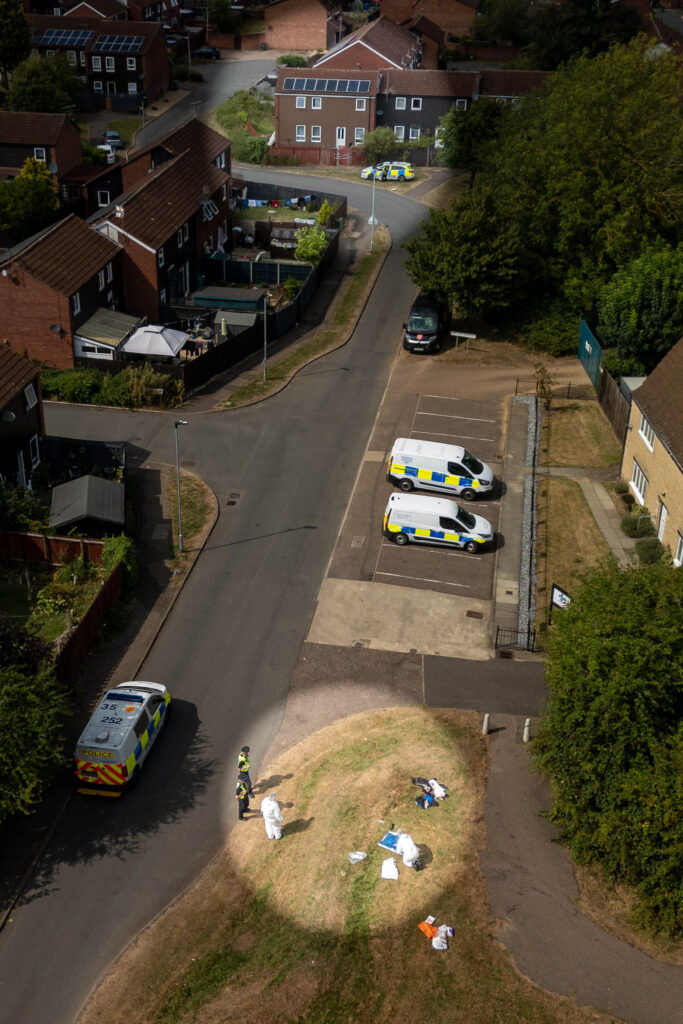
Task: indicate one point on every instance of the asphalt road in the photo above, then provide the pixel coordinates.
(227, 651)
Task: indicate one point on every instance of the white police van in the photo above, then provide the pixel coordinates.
(120, 734)
(423, 520)
(438, 467)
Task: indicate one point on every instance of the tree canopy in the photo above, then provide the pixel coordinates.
(611, 734)
(29, 201)
(465, 134)
(43, 84)
(311, 243)
(15, 37)
(585, 175)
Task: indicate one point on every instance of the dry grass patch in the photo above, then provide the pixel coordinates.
(568, 542)
(198, 504)
(579, 434)
(291, 933)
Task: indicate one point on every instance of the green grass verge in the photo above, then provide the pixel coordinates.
(197, 507)
(232, 116)
(126, 128)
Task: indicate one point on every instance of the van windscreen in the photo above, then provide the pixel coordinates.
(472, 465)
(422, 320)
(466, 518)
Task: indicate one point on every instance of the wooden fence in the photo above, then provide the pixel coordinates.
(38, 547)
(73, 648)
(614, 405)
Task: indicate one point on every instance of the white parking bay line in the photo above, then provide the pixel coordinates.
(442, 433)
(436, 550)
(423, 579)
(446, 398)
(450, 416)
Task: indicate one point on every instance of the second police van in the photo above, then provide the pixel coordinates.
(417, 518)
(438, 467)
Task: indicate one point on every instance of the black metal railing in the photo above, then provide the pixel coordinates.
(518, 639)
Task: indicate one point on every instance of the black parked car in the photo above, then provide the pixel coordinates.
(207, 53)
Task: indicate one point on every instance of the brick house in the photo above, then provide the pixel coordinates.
(53, 139)
(45, 297)
(303, 24)
(119, 63)
(652, 461)
(22, 427)
(107, 10)
(323, 108)
(379, 44)
(175, 208)
(455, 17)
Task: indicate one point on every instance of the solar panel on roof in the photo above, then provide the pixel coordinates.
(341, 85)
(320, 85)
(299, 83)
(353, 87)
(364, 86)
(289, 83)
(118, 44)
(310, 84)
(65, 37)
(331, 85)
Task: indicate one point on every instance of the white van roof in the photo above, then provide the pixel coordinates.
(422, 503)
(123, 702)
(430, 449)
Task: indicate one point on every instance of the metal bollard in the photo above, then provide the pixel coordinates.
(527, 730)
(485, 726)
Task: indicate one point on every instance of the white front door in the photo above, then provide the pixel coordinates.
(341, 137)
(663, 516)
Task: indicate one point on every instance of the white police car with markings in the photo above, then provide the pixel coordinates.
(418, 519)
(431, 466)
(120, 734)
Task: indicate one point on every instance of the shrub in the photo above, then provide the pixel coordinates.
(621, 487)
(20, 511)
(81, 385)
(93, 157)
(292, 60)
(292, 288)
(639, 524)
(120, 550)
(324, 214)
(253, 150)
(649, 550)
(116, 390)
(550, 327)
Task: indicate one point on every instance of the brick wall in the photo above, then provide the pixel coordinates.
(296, 25)
(253, 41)
(28, 309)
(335, 111)
(156, 69)
(358, 57)
(140, 280)
(68, 149)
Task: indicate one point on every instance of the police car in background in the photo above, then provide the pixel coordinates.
(390, 170)
(120, 734)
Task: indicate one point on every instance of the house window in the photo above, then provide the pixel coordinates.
(360, 104)
(130, 64)
(132, 88)
(179, 237)
(414, 133)
(34, 448)
(186, 231)
(30, 396)
(678, 557)
(316, 102)
(162, 296)
(100, 280)
(71, 57)
(400, 103)
(97, 63)
(160, 257)
(638, 483)
(416, 103)
(49, 53)
(316, 133)
(39, 153)
(301, 133)
(220, 160)
(109, 63)
(646, 432)
(103, 197)
(399, 132)
(82, 58)
(97, 86)
(358, 135)
(110, 272)
(224, 192)
(461, 104)
(300, 102)
(76, 303)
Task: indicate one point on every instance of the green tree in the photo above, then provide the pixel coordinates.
(324, 213)
(382, 145)
(311, 243)
(15, 37)
(611, 734)
(508, 20)
(222, 16)
(640, 310)
(43, 85)
(29, 201)
(559, 33)
(465, 134)
(20, 511)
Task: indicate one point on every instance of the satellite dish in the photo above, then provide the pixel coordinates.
(52, 167)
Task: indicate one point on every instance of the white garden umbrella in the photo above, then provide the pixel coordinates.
(152, 340)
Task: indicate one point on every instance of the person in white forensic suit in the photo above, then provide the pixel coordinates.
(272, 816)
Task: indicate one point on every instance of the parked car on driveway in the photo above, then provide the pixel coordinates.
(108, 150)
(207, 53)
(113, 139)
(389, 170)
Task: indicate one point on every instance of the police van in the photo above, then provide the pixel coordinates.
(423, 520)
(438, 467)
(119, 736)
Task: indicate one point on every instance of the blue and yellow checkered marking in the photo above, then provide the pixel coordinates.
(148, 733)
(455, 538)
(436, 478)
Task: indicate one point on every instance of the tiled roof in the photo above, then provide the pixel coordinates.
(64, 256)
(353, 75)
(168, 197)
(510, 83)
(429, 28)
(383, 35)
(194, 135)
(27, 129)
(106, 8)
(659, 398)
(149, 31)
(429, 83)
(16, 372)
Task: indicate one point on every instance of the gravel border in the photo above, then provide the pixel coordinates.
(527, 571)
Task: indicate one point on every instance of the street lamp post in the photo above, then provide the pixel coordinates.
(372, 221)
(179, 423)
(265, 334)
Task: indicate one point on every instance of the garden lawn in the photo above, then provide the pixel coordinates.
(578, 434)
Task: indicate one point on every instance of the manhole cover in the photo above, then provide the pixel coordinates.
(357, 542)
(232, 498)
(507, 655)
(474, 615)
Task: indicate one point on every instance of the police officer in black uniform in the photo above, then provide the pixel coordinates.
(242, 794)
(243, 766)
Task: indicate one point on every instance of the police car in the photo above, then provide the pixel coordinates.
(120, 734)
(389, 170)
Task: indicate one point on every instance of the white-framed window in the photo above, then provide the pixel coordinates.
(416, 103)
(130, 64)
(179, 237)
(316, 133)
(34, 448)
(301, 133)
(220, 160)
(110, 299)
(82, 58)
(49, 53)
(678, 554)
(316, 102)
(160, 257)
(109, 63)
(399, 132)
(358, 135)
(76, 303)
(461, 104)
(97, 86)
(97, 63)
(638, 483)
(110, 272)
(132, 88)
(186, 231)
(162, 296)
(30, 396)
(71, 58)
(39, 153)
(103, 197)
(414, 133)
(400, 103)
(301, 103)
(360, 104)
(100, 280)
(224, 192)
(646, 432)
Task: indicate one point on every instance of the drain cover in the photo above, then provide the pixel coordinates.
(474, 615)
